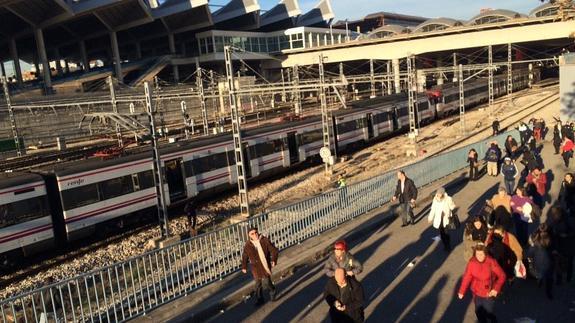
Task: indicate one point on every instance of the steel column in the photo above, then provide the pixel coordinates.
(461, 101)
(16, 61)
(116, 57)
(371, 79)
(114, 103)
(326, 119)
(490, 80)
(412, 97)
(200, 87)
(296, 91)
(43, 59)
(19, 149)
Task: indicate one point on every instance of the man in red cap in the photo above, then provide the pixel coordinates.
(263, 256)
(341, 258)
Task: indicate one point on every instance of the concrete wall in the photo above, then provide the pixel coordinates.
(567, 86)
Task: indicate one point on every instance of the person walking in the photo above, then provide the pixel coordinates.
(567, 195)
(486, 278)
(492, 156)
(406, 194)
(342, 187)
(507, 238)
(509, 172)
(557, 137)
(521, 207)
(502, 252)
(472, 159)
(562, 230)
(539, 258)
(567, 150)
(475, 232)
(192, 216)
(529, 161)
(511, 147)
(440, 214)
(537, 129)
(263, 257)
(536, 181)
(495, 127)
(345, 298)
(523, 133)
(342, 258)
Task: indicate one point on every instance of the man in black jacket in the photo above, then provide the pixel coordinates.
(345, 298)
(406, 193)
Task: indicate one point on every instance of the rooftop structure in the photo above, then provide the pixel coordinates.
(376, 20)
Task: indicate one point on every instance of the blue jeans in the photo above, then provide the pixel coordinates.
(484, 309)
(509, 186)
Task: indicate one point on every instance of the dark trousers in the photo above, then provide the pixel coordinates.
(267, 284)
(521, 230)
(445, 238)
(484, 309)
(406, 211)
(509, 186)
(566, 157)
(557, 148)
(473, 173)
(564, 266)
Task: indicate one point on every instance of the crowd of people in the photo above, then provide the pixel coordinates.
(505, 241)
(508, 239)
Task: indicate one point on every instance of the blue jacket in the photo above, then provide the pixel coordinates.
(508, 171)
(493, 154)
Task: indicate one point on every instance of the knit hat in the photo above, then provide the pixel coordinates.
(341, 244)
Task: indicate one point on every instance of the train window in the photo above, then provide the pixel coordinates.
(311, 136)
(146, 179)
(116, 187)
(188, 168)
(209, 163)
(421, 106)
(23, 211)
(26, 190)
(381, 117)
(136, 182)
(266, 148)
(349, 126)
(402, 112)
(232, 158)
(80, 196)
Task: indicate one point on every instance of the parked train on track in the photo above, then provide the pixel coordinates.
(68, 201)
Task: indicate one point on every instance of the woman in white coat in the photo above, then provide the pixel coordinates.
(441, 210)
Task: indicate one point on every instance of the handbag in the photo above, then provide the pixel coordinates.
(454, 222)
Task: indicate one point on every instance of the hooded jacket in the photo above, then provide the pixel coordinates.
(482, 277)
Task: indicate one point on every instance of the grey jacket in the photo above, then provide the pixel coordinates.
(348, 263)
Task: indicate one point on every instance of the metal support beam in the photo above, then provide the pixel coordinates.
(3, 69)
(175, 68)
(388, 77)
(19, 149)
(509, 73)
(185, 116)
(138, 50)
(343, 80)
(116, 57)
(326, 119)
(114, 103)
(490, 80)
(461, 101)
(296, 91)
(157, 163)
(284, 96)
(58, 62)
(455, 73)
(200, 87)
(396, 76)
(237, 135)
(371, 79)
(43, 59)
(84, 56)
(16, 61)
(412, 98)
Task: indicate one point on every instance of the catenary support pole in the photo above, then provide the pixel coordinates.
(114, 104)
(19, 147)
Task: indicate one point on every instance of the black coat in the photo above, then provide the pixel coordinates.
(504, 256)
(353, 301)
(409, 191)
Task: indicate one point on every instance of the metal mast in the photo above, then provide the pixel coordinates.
(200, 86)
(158, 174)
(411, 97)
(490, 85)
(509, 73)
(237, 135)
(325, 115)
(461, 101)
(371, 79)
(185, 117)
(297, 93)
(115, 109)
(13, 125)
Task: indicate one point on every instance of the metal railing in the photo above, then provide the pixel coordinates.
(131, 288)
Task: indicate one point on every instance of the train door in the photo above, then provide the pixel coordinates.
(369, 119)
(175, 179)
(293, 148)
(247, 160)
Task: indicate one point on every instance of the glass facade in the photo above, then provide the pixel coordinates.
(214, 42)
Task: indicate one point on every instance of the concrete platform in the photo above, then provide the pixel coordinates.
(394, 290)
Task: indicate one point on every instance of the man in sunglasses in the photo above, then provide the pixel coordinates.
(263, 256)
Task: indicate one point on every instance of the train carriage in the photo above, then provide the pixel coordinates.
(25, 217)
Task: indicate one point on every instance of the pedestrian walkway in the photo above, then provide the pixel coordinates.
(408, 277)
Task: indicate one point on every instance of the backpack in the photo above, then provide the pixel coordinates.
(492, 155)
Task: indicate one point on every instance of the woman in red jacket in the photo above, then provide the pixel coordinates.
(486, 279)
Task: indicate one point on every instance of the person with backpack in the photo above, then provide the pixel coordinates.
(492, 156)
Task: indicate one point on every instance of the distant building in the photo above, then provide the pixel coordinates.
(379, 19)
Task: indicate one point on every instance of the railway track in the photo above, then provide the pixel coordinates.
(50, 260)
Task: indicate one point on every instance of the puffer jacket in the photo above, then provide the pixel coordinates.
(482, 277)
(348, 263)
